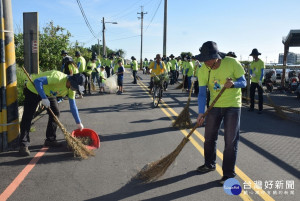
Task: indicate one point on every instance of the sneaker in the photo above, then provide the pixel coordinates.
(250, 110)
(204, 169)
(53, 143)
(24, 151)
(223, 179)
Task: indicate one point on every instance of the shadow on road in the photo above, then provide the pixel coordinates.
(135, 187)
(135, 134)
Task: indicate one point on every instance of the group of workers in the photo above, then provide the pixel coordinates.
(210, 71)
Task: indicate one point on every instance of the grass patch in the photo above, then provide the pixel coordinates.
(21, 80)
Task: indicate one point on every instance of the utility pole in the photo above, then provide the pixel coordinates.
(103, 34)
(165, 30)
(103, 37)
(99, 47)
(142, 17)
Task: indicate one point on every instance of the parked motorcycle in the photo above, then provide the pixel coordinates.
(268, 81)
(293, 81)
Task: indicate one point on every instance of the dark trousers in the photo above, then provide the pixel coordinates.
(88, 78)
(231, 118)
(173, 76)
(196, 87)
(185, 82)
(260, 96)
(30, 104)
(107, 69)
(134, 76)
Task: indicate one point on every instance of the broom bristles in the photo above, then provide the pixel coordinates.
(156, 169)
(78, 148)
(183, 120)
(180, 86)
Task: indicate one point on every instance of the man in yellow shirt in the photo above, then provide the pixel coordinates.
(219, 71)
(257, 67)
(157, 67)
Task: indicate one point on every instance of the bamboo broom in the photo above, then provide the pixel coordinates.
(183, 120)
(181, 85)
(75, 144)
(278, 110)
(154, 170)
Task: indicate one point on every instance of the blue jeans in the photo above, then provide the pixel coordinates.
(95, 76)
(231, 118)
(134, 76)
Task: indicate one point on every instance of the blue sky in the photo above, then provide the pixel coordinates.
(236, 25)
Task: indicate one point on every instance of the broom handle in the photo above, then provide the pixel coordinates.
(207, 111)
(190, 94)
(54, 116)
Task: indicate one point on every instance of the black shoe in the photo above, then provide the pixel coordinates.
(250, 110)
(53, 143)
(204, 169)
(223, 179)
(24, 151)
(259, 112)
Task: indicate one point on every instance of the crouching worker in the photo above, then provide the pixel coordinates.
(47, 87)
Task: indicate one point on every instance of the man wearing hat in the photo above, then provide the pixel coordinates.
(217, 72)
(157, 67)
(257, 67)
(134, 66)
(66, 58)
(47, 87)
(80, 61)
(173, 69)
(90, 67)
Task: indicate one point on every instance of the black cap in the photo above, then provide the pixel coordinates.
(208, 51)
(77, 53)
(231, 54)
(255, 52)
(67, 59)
(77, 81)
(64, 52)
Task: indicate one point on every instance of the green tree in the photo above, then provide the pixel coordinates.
(53, 40)
(19, 49)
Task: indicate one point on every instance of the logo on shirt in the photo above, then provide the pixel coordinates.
(217, 85)
(53, 93)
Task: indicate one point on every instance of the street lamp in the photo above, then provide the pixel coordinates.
(103, 34)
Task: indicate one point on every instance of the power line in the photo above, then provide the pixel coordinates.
(85, 19)
(131, 6)
(128, 10)
(125, 38)
(153, 15)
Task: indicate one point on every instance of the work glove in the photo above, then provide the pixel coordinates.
(260, 83)
(80, 126)
(193, 79)
(46, 102)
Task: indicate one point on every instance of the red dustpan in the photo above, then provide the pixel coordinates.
(86, 132)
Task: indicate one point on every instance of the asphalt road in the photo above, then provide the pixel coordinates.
(132, 134)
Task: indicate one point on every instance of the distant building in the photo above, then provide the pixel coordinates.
(292, 58)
